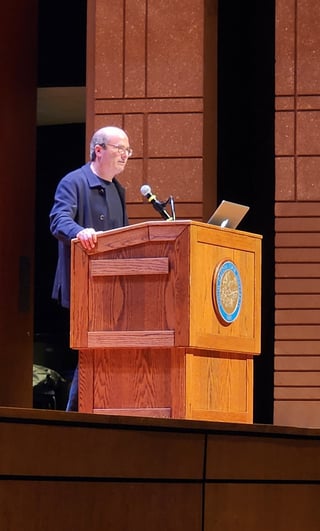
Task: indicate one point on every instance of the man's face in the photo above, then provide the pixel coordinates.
(115, 157)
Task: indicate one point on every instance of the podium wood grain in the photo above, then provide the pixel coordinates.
(143, 318)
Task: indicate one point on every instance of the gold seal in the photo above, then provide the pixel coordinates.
(227, 291)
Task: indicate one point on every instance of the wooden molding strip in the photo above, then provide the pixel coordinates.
(130, 266)
(131, 338)
(136, 412)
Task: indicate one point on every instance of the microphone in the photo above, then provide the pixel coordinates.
(157, 205)
(101, 190)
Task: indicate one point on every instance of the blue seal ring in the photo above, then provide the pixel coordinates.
(227, 291)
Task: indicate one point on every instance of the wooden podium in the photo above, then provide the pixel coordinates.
(166, 318)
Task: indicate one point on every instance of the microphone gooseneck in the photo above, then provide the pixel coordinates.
(159, 206)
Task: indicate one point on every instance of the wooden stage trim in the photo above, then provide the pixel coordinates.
(116, 472)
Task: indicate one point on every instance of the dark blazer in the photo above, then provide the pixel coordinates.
(79, 202)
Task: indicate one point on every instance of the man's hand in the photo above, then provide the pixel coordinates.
(88, 238)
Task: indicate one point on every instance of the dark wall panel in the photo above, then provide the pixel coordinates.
(17, 178)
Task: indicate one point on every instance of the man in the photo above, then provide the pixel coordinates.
(88, 200)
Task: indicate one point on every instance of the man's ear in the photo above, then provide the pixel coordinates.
(98, 149)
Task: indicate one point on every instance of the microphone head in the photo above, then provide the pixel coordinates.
(145, 189)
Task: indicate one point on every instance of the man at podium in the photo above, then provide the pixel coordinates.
(88, 200)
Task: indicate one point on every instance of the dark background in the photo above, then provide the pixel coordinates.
(61, 63)
(246, 172)
(245, 158)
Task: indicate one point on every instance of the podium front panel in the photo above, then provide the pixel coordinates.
(225, 270)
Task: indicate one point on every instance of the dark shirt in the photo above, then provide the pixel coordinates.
(82, 200)
(114, 209)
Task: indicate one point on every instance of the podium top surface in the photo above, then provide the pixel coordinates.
(168, 227)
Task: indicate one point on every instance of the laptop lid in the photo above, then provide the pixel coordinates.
(228, 214)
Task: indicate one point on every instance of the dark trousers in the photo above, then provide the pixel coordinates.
(72, 404)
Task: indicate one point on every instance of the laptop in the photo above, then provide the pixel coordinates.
(228, 214)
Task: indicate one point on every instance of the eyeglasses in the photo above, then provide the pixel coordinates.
(121, 149)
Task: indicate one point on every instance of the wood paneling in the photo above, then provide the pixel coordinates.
(274, 505)
(297, 222)
(152, 82)
(297, 315)
(97, 472)
(84, 505)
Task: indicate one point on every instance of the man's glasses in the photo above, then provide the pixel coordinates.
(121, 149)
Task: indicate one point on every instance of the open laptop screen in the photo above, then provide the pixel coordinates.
(228, 214)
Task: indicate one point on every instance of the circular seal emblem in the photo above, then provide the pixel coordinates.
(227, 291)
